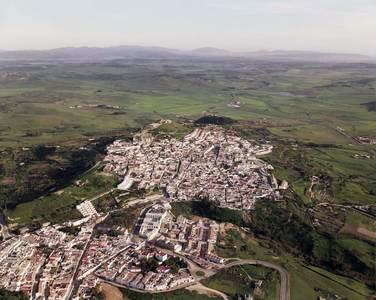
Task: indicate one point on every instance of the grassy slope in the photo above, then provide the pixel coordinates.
(303, 279)
(60, 206)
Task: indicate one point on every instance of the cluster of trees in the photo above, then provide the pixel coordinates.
(151, 265)
(8, 295)
(70, 230)
(216, 120)
(36, 174)
(210, 210)
(175, 264)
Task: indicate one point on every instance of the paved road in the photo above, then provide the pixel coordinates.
(192, 266)
(284, 293)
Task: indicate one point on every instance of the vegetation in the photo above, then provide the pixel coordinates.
(281, 225)
(149, 265)
(174, 263)
(305, 280)
(207, 209)
(182, 294)
(70, 230)
(278, 232)
(7, 295)
(126, 218)
(214, 120)
(242, 280)
(60, 206)
(173, 130)
(200, 273)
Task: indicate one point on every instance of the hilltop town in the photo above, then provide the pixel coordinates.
(208, 163)
(162, 252)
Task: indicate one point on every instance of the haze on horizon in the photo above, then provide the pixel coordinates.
(239, 25)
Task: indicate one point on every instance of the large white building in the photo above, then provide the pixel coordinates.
(87, 209)
(153, 220)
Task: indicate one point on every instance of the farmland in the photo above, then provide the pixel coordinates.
(43, 103)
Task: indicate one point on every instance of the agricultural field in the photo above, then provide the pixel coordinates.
(43, 103)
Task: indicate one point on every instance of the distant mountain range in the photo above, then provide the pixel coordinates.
(139, 52)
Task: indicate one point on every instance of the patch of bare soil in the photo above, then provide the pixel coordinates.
(106, 174)
(366, 232)
(8, 181)
(203, 290)
(39, 166)
(111, 292)
(225, 227)
(359, 232)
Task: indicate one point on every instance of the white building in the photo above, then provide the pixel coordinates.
(87, 209)
(153, 220)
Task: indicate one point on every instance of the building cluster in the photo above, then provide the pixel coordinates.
(42, 264)
(56, 263)
(99, 250)
(367, 140)
(153, 219)
(208, 163)
(194, 239)
(87, 209)
(126, 270)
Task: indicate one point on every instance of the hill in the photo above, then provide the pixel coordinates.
(140, 52)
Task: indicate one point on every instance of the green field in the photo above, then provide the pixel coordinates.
(241, 280)
(302, 102)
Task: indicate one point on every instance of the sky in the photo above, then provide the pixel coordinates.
(345, 26)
